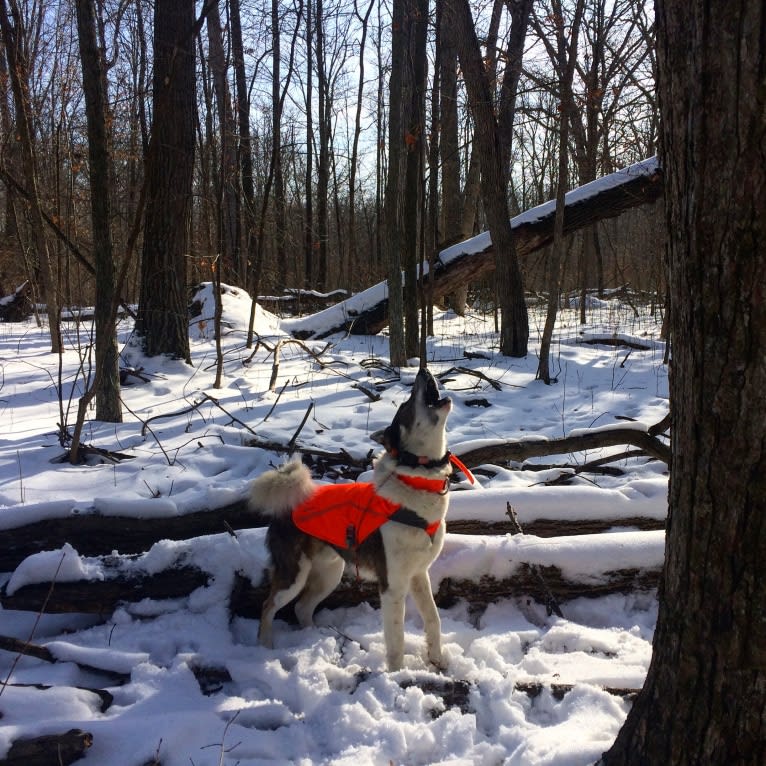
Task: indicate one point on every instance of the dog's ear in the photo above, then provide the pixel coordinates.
(377, 436)
(388, 437)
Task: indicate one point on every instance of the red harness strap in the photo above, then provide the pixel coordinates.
(344, 515)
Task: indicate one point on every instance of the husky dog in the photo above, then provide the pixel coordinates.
(391, 529)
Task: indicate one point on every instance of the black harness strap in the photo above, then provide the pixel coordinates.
(410, 518)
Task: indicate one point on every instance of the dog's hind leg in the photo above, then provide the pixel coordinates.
(420, 587)
(326, 572)
(283, 591)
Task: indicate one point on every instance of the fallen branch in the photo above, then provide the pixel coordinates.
(505, 452)
(27, 649)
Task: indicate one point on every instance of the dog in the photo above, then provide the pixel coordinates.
(391, 529)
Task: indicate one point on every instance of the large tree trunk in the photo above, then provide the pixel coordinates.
(705, 694)
(243, 146)
(392, 242)
(162, 322)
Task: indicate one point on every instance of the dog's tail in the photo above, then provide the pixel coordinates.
(278, 492)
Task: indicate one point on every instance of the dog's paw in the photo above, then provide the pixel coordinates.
(438, 662)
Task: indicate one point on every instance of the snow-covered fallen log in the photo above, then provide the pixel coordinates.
(477, 569)
(542, 510)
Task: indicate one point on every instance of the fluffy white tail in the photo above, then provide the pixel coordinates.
(278, 492)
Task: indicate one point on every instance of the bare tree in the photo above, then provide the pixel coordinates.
(12, 28)
(162, 321)
(566, 57)
(704, 697)
(107, 373)
(514, 331)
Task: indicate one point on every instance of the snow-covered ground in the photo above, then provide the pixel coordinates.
(323, 696)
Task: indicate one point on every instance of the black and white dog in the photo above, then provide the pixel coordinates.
(391, 529)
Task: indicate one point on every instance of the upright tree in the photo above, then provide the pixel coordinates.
(12, 28)
(514, 331)
(94, 83)
(162, 322)
(704, 699)
(565, 59)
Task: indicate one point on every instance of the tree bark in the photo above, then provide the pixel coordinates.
(107, 374)
(162, 322)
(705, 694)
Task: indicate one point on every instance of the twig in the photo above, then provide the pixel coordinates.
(371, 395)
(291, 443)
(476, 373)
(144, 428)
(551, 605)
(279, 396)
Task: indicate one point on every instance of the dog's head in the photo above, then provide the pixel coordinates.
(419, 426)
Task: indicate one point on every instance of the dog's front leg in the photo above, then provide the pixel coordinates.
(392, 606)
(424, 601)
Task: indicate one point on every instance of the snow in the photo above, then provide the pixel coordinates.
(323, 696)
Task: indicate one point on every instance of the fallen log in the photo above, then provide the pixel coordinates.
(63, 749)
(247, 599)
(526, 579)
(102, 596)
(367, 313)
(93, 534)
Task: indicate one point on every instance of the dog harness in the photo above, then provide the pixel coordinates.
(345, 515)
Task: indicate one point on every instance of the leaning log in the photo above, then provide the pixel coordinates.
(16, 307)
(367, 313)
(63, 749)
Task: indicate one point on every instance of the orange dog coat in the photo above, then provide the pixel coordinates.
(344, 515)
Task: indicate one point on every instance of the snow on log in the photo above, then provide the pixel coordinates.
(540, 510)
(477, 569)
(366, 313)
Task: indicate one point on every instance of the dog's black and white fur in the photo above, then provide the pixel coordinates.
(398, 555)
